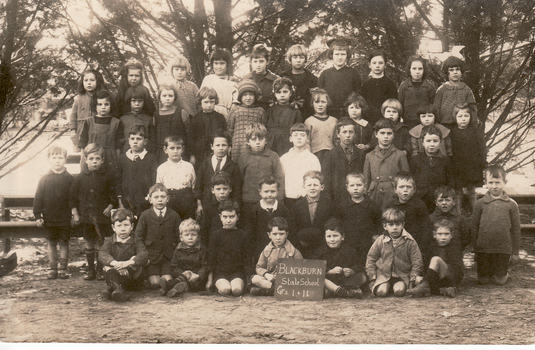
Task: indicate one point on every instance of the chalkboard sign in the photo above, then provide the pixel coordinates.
(299, 279)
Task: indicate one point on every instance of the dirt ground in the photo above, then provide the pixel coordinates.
(33, 309)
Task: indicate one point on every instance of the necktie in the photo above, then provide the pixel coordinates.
(218, 166)
(161, 214)
(137, 158)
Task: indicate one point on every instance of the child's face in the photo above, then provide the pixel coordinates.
(454, 74)
(347, 135)
(431, 143)
(134, 77)
(221, 192)
(298, 61)
(174, 151)
(299, 139)
(122, 228)
(495, 185)
(103, 107)
(313, 187)
(427, 119)
(333, 239)
(158, 199)
(257, 144)
(356, 187)
(136, 104)
(339, 58)
(137, 143)
(208, 105)
(392, 114)
(405, 190)
(57, 162)
(385, 137)
(278, 237)
(90, 82)
(443, 236)
(377, 65)
(220, 147)
(394, 229)
(320, 104)
(417, 71)
(220, 67)
(94, 161)
(354, 111)
(167, 98)
(259, 65)
(229, 219)
(179, 73)
(463, 118)
(445, 204)
(248, 98)
(269, 193)
(189, 237)
(283, 95)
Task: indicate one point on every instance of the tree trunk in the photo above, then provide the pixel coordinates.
(6, 78)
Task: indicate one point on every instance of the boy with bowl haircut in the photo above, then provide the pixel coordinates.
(343, 159)
(385, 272)
(136, 170)
(296, 163)
(52, 211)
(345, 275)
(279, 248)
(495, 230)
(310, 213)
(446, 208)
(360, 217)
(229, 253)
(189, 265)
(158, 229)
(445, 272)
(123, 257)
(221, 191)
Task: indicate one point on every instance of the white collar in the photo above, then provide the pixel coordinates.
(164, 210)
(119, 240)
(375, 76)
(130, 155)
(264, 206)
(214, 161)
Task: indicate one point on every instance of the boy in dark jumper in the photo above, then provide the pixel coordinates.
(221, 190)
(52, 211)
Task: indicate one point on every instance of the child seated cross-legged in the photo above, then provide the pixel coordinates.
(229, 256)
(385, 272)
(158, 228)
(345, 275)
(445, 271)
(189, 265)
(279, 248)
(123, 257)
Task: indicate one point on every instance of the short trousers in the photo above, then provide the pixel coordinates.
(492, 264)
(183, 202)
(391, 282)
(55, 233)
(354, 281)
(162, 267)
(229, 276)
(89, 232)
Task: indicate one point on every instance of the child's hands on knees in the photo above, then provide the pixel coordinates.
(269, 277)
(418, 280)
(194, 278)
(335, 271)
(348, 272)
(123, 272)
(40, 222)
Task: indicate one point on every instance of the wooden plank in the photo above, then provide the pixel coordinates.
(25, 229)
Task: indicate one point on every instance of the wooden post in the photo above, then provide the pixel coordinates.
(2, 206)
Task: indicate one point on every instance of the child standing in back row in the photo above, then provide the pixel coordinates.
(131, 76)
(321, 125)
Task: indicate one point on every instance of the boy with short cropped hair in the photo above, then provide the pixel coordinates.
(345, 275)
(495, 230)
(296, 163)
(445, 272)
(158, 228)
(386, 273)
(340, 80)
(261, 75)
(431, 169)
(221, 191)
(343, 159)
(279, 248)
(446, 208)
(123, 257)
(136, 172)
(51, 210)
(309, 214)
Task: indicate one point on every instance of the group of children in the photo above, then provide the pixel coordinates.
(212, 200)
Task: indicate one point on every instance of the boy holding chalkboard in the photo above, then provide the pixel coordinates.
(279, 248)
(344, 275)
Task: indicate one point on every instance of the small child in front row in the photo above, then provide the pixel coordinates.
(189, 265)
(495, 230)
(356, 107)
(445, 272)
(321, 125)
(229, 256)
(158, 229)
(345, 275)
(279, 248)
(178, 176)
(401, 273)
(52, 211)
(123, 257)
(427, 115)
